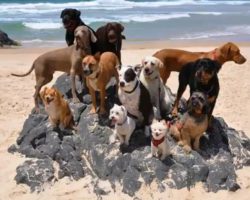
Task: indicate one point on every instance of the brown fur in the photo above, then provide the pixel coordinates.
(192, 125)
(57, 108)
(103, 68)
(174, 59)
(66, 60)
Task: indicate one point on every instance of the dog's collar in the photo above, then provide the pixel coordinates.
(156, 143)
(136, 85)
(123, 121)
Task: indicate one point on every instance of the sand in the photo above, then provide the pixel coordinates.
(16, 103)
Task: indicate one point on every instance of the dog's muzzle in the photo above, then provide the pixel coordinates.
(122, 84)
(48, 100)
(87, 72)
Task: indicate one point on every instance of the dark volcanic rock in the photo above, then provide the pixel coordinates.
(5, 40)
(35, 173)
(89, 152)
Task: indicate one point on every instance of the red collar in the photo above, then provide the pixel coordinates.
(156, 143)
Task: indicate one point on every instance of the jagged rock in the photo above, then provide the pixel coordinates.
(35, 173)
(223, 150)
(5, 40)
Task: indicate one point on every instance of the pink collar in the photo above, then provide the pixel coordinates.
(156, 143)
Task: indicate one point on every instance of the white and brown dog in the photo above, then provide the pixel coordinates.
(159, 144)
(135, 97)
(101, 73)
(124, 125)
(57, 108)
(161, 95)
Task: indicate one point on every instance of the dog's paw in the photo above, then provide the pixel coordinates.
(180, 143)
(187, 149)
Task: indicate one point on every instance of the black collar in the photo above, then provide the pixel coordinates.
(136, 85)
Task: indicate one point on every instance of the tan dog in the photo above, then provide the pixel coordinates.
(66, 60)
(174, 59)
(57, 108)
(100, 72)
(193, 123)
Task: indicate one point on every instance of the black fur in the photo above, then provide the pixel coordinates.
(187, 76)
(129, 75)
(74, 14)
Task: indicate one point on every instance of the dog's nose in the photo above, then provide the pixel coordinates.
(146, 70)
(122, 84)
(86, 71)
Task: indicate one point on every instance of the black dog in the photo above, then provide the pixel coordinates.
(110, 38)
(201, 76)
(71, 20)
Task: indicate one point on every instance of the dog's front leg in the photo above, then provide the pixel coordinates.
(102, 104)
(153, 150)
(93, 97)
(165, 151)
(73, 86)
(121, 138)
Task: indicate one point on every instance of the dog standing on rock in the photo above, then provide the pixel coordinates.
(101, 73)
(66, 60)
(124, 125)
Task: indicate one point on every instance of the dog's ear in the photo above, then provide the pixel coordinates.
(93, 38)
(226, 49)
(78, 13)
(97, 56)
(137, 68)
(120, 27)
(160, 64)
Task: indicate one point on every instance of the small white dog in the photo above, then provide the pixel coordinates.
(124, 125)
(161, 96)
(159, 144)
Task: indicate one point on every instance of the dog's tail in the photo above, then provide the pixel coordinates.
(26, 74)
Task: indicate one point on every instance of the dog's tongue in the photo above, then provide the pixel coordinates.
(113, 121)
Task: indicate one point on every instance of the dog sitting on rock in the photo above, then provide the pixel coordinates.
(135, 97)
(193, 123)
(124, 125)
(159, 143)
(57, 108)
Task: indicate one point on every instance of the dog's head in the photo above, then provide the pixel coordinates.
(50, 95)
(232, 52)
(83, 37)
(114, 32)
(127, 78)
(159, 129)
(150, 67)
(207, 69)
(117, 114)
(198, 103)
(70, 18)
(90, 65)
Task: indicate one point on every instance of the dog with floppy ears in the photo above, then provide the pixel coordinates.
(159, 143)
(57, 108)
(101, 73)
(161, 95)
(193, 123)
(135, 97)
(124, 125)
(66, 60)
(175, 59)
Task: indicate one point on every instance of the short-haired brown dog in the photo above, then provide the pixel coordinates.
(175, 59)
(57, 108)
(193, 123)
(100, 72)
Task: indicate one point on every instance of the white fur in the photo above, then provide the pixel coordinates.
(159, 130)
(160, 94)
(130, 100)
(124, 131)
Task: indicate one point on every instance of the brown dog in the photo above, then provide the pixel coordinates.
(174, 59)
(57, 108)
(66, 60)
(100, 72)
(193, 123)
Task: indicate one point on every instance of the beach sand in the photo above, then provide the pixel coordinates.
(16, 103)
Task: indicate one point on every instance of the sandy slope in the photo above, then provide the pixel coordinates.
(16, 102)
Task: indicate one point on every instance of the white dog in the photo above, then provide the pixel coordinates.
(124, 125)
(161, 96)
(159, 144)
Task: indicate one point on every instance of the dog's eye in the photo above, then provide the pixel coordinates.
(117, 113)
(201, 99)
(152, 63)
(145, 62)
